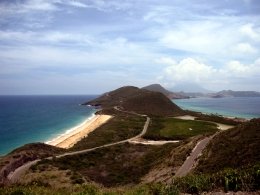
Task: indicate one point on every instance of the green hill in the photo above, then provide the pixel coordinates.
(137, 100)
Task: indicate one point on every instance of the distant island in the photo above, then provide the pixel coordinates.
(186, 94)
(230, 93)
(145, 143)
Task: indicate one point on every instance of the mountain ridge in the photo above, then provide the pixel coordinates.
(169, 94)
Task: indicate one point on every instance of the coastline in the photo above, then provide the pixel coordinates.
(235, 107)
(71, 137)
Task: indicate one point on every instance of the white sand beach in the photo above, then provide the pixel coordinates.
(69, 139)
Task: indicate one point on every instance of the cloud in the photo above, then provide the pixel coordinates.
(189, 70)
(237, 69)
(210, 43)
(77, 4)
(246, 48)
(249, 31)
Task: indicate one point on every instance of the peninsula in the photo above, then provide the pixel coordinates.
(139, 140)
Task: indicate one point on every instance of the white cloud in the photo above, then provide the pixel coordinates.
(245, 48)
(237, 69)
(248, 30)
(45, 37)
(38, 5)
(189, 70)
(199, 37)
(159, 14)
(77, 4)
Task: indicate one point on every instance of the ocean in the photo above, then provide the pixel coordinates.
(242, 107)
(26, 119)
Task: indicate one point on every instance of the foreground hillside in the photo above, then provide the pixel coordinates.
(237, 147)
(24, 154)
(138, 100)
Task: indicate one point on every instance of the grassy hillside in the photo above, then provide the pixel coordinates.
(114, 166)
(137, 100)
(177, 129)
(121, 127)
(24, 154)
(237, 147)
(152, 104)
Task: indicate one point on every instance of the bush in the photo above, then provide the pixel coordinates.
(194, 184)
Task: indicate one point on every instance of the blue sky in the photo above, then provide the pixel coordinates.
(92, 46)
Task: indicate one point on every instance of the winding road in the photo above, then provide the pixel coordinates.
(190, 161)
(14, 176)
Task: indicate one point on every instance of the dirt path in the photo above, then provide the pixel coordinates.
(190, 161)
(151, 142)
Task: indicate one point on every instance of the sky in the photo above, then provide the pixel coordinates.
(93, 46)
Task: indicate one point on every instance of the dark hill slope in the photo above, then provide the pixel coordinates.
(137, 100)
(23, 154)
(152, 103)
(161, 89)
(237, 147)
(114, 98)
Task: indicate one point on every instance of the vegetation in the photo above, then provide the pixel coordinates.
(122, 167)
(237, 147)
(138, 100)
(113, 166)
(39, 149)
(226, 180)
(121, 127)
(24, 154)
(214, 118)
(178, 129)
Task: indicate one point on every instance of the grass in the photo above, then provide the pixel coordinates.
(114, 166)
(178, 129)
(121, 127)
(237, 147)
(227, 180)
(213, 118)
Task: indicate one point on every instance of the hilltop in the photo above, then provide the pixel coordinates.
(161, 89)
(142, 101)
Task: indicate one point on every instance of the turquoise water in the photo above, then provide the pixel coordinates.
(26, 119)
(243, 107)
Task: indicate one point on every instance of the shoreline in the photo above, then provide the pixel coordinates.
(222, 111)
(71, 137)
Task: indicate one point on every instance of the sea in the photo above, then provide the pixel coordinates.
(241, 107)
(26, 119)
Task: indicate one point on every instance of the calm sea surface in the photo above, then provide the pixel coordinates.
(244, 107)
(25, 119)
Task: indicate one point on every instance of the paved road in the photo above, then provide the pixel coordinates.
(190, 161)
(14, 176)
(183, 170)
